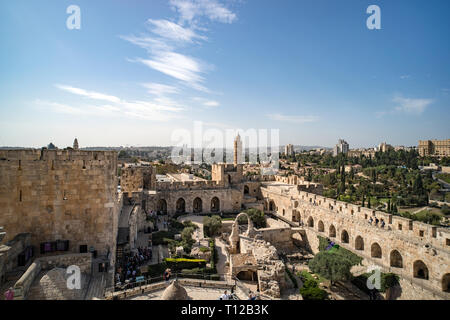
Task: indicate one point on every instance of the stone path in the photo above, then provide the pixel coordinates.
(222, 257)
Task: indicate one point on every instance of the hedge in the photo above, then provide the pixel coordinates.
(181, 263)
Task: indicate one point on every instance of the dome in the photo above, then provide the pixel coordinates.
(175, 292)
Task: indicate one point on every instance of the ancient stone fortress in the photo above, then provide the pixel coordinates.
(62, 207)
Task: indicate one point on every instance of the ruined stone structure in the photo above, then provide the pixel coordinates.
(61, 195)
(419, 253)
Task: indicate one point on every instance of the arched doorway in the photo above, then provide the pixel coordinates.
(332, 232)
(180, 206)
(272, 206)
(344, 236)
(359, 243)
(246, 190)
(375, 251)
(215, 204)
(321, 226)
(446, 282)
(396, 259)
(311, 222)
(197, 205)
(162, 206)
(420, 270)
(247, 275)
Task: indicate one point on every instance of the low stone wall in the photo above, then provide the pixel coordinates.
(22, 286)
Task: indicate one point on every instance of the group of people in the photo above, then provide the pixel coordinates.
(129, 268)
(226, 296)
(376, 220)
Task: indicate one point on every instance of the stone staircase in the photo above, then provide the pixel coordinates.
(96, 287)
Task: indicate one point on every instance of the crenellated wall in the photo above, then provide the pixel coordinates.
(60, 195)
(408, 248)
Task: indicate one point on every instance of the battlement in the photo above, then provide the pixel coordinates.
(59, 154)
(437, 236)
(191, 185)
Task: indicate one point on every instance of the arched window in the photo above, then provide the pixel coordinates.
(396, 259)
(310, 222)
(197, 205)
(359, 243)
(246, 190)
(420, 270)
(446, 282)
(375, 251)
(332, 232)
(181, 206)
(161, 206)
(215, 204)
(344, 236)
(272, 206)
(321, 226)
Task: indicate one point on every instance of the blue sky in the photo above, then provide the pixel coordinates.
(137, 71)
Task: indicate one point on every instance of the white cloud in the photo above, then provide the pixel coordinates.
(211, 9)
(412, 106)
(206, 102)
(172, 31)
(158, 109)
(159, 89)
(88, 94)
(405, 76)
(293, 119)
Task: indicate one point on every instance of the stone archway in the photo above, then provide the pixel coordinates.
(420, 270)
(246, 190)
(446, 282)
(197, 206)
(359, 243)
(311, 222)
(332, 232)
(396, 259)
(161, 206)
(234, 236)
(180, 206)
(272, 206)
(344, 237)
(247, 275)
(321, 227)
(215, 204)
(375, 251)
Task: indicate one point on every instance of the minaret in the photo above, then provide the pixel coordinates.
(75, 144)
(237, 150)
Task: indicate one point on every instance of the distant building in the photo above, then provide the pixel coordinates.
(434, 148)
(384, 147)
(75, 144)
(237, 150)
(289, 149)
(341, 147)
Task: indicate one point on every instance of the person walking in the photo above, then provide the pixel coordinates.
(9, 294)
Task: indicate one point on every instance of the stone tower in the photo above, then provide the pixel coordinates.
(237, 150)
(75, 144)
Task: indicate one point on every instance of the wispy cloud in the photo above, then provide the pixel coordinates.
(206, 103)
(159, 89)
(405, 76)
(166, 38)
(293, 119)
(406, 106)
(412, 106)
(88, 94)
(172, 31)
(189, 10)
(159, 109)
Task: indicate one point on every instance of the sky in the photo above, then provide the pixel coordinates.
(146, 73)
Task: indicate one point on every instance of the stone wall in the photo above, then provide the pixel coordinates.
(403, 246)
(10, 251)
(60, 195)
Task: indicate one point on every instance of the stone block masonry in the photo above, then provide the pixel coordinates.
(61, 195)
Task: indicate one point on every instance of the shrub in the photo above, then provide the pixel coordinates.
(311, 291)
(257, 217)
(331, 265)
(180, 263)
(161, 237)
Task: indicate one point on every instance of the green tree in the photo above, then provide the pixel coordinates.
(331, 266)
(212, 225)
(257, 216)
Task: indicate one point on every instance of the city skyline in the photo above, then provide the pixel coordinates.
(136, 72)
